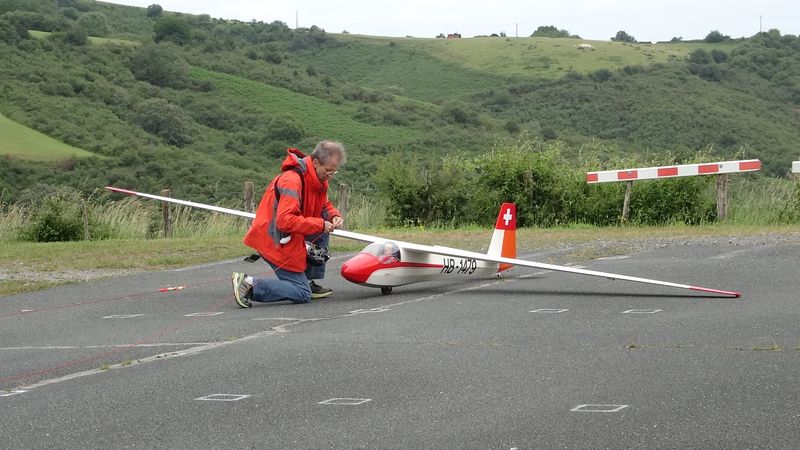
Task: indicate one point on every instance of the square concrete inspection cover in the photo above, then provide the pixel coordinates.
(549, 310)
(10, 393)
(598, 408)
(345, 401)
(222, 397)
(642, 311)
(204, 314)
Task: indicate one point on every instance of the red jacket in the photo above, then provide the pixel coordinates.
(276, 221)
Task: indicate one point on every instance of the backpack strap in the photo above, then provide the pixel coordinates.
(302, 187)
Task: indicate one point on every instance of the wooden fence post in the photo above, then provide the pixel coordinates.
(248, 199)
(626, 203)
(165, 213)
(722, 197)
(343, 199)
(86, 235)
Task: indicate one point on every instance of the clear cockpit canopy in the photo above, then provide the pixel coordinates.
(386, 252)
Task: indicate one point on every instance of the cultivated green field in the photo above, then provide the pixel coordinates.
(318, 116)
(92, 39)
(22, 142)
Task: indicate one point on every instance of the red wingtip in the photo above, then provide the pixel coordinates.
(717, 291)
(121, 191)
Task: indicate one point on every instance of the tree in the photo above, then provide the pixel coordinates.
(165, 120)
(716, 36)
(623, 36)
(440, 36)
(553, 32)
(12, 33)
(154, 11)
(172, 28)
(699, 56)
(94, 23)
(159, 65)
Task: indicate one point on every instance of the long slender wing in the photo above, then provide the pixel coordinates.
(246, 215)
(446, 251)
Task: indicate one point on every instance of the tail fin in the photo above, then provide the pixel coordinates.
(504, 238)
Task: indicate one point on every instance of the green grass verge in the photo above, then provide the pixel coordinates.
(22, 142)
(119, 256)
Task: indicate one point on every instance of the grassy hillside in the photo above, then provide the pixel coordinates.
(21, 142)
(532, 57)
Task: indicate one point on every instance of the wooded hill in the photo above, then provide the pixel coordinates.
(159, 99)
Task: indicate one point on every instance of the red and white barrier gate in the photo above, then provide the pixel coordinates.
(685, 170)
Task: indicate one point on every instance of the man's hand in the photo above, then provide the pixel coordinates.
(327, 227)
(337, 222)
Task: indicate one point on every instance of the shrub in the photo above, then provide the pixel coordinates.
(94, 23)
(172, 28)
(159, 65)
(58, 218)
(165, 120)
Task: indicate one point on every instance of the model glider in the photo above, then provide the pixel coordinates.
(386, 263)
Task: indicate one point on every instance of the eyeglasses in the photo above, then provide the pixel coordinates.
(331, 172)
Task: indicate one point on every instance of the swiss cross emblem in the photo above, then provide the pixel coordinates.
(507, 216)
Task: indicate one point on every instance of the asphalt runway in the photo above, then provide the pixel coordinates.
(461, 363)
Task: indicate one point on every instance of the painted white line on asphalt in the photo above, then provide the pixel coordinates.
(123, 316)
(276, 318)
(600, 408)
(222, 397)
(10, 393)
(642, 311)
(82, 347)
(367, 311)
(203, 314)
(549, 310)
(345, 401)
(613, 258)
(282, 328)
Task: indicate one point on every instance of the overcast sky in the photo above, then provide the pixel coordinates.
(591, 19)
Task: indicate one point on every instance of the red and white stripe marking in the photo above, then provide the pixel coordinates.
(795, 166)
(685, 170)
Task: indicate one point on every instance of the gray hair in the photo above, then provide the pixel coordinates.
(325, 150)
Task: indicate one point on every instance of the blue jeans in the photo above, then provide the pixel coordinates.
(320, 240)
(292, 286)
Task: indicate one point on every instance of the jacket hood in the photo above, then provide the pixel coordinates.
(297, 159)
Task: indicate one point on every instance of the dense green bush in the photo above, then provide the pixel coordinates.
(57, 219)
(165, 120)
(548, 189)
(94, 23)
(172, 28)
(160, 65)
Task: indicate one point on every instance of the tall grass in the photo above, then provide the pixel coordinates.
(758, 201)
(763, 201)
(12, 219)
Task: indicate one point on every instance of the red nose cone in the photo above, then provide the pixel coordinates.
(358, 268)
